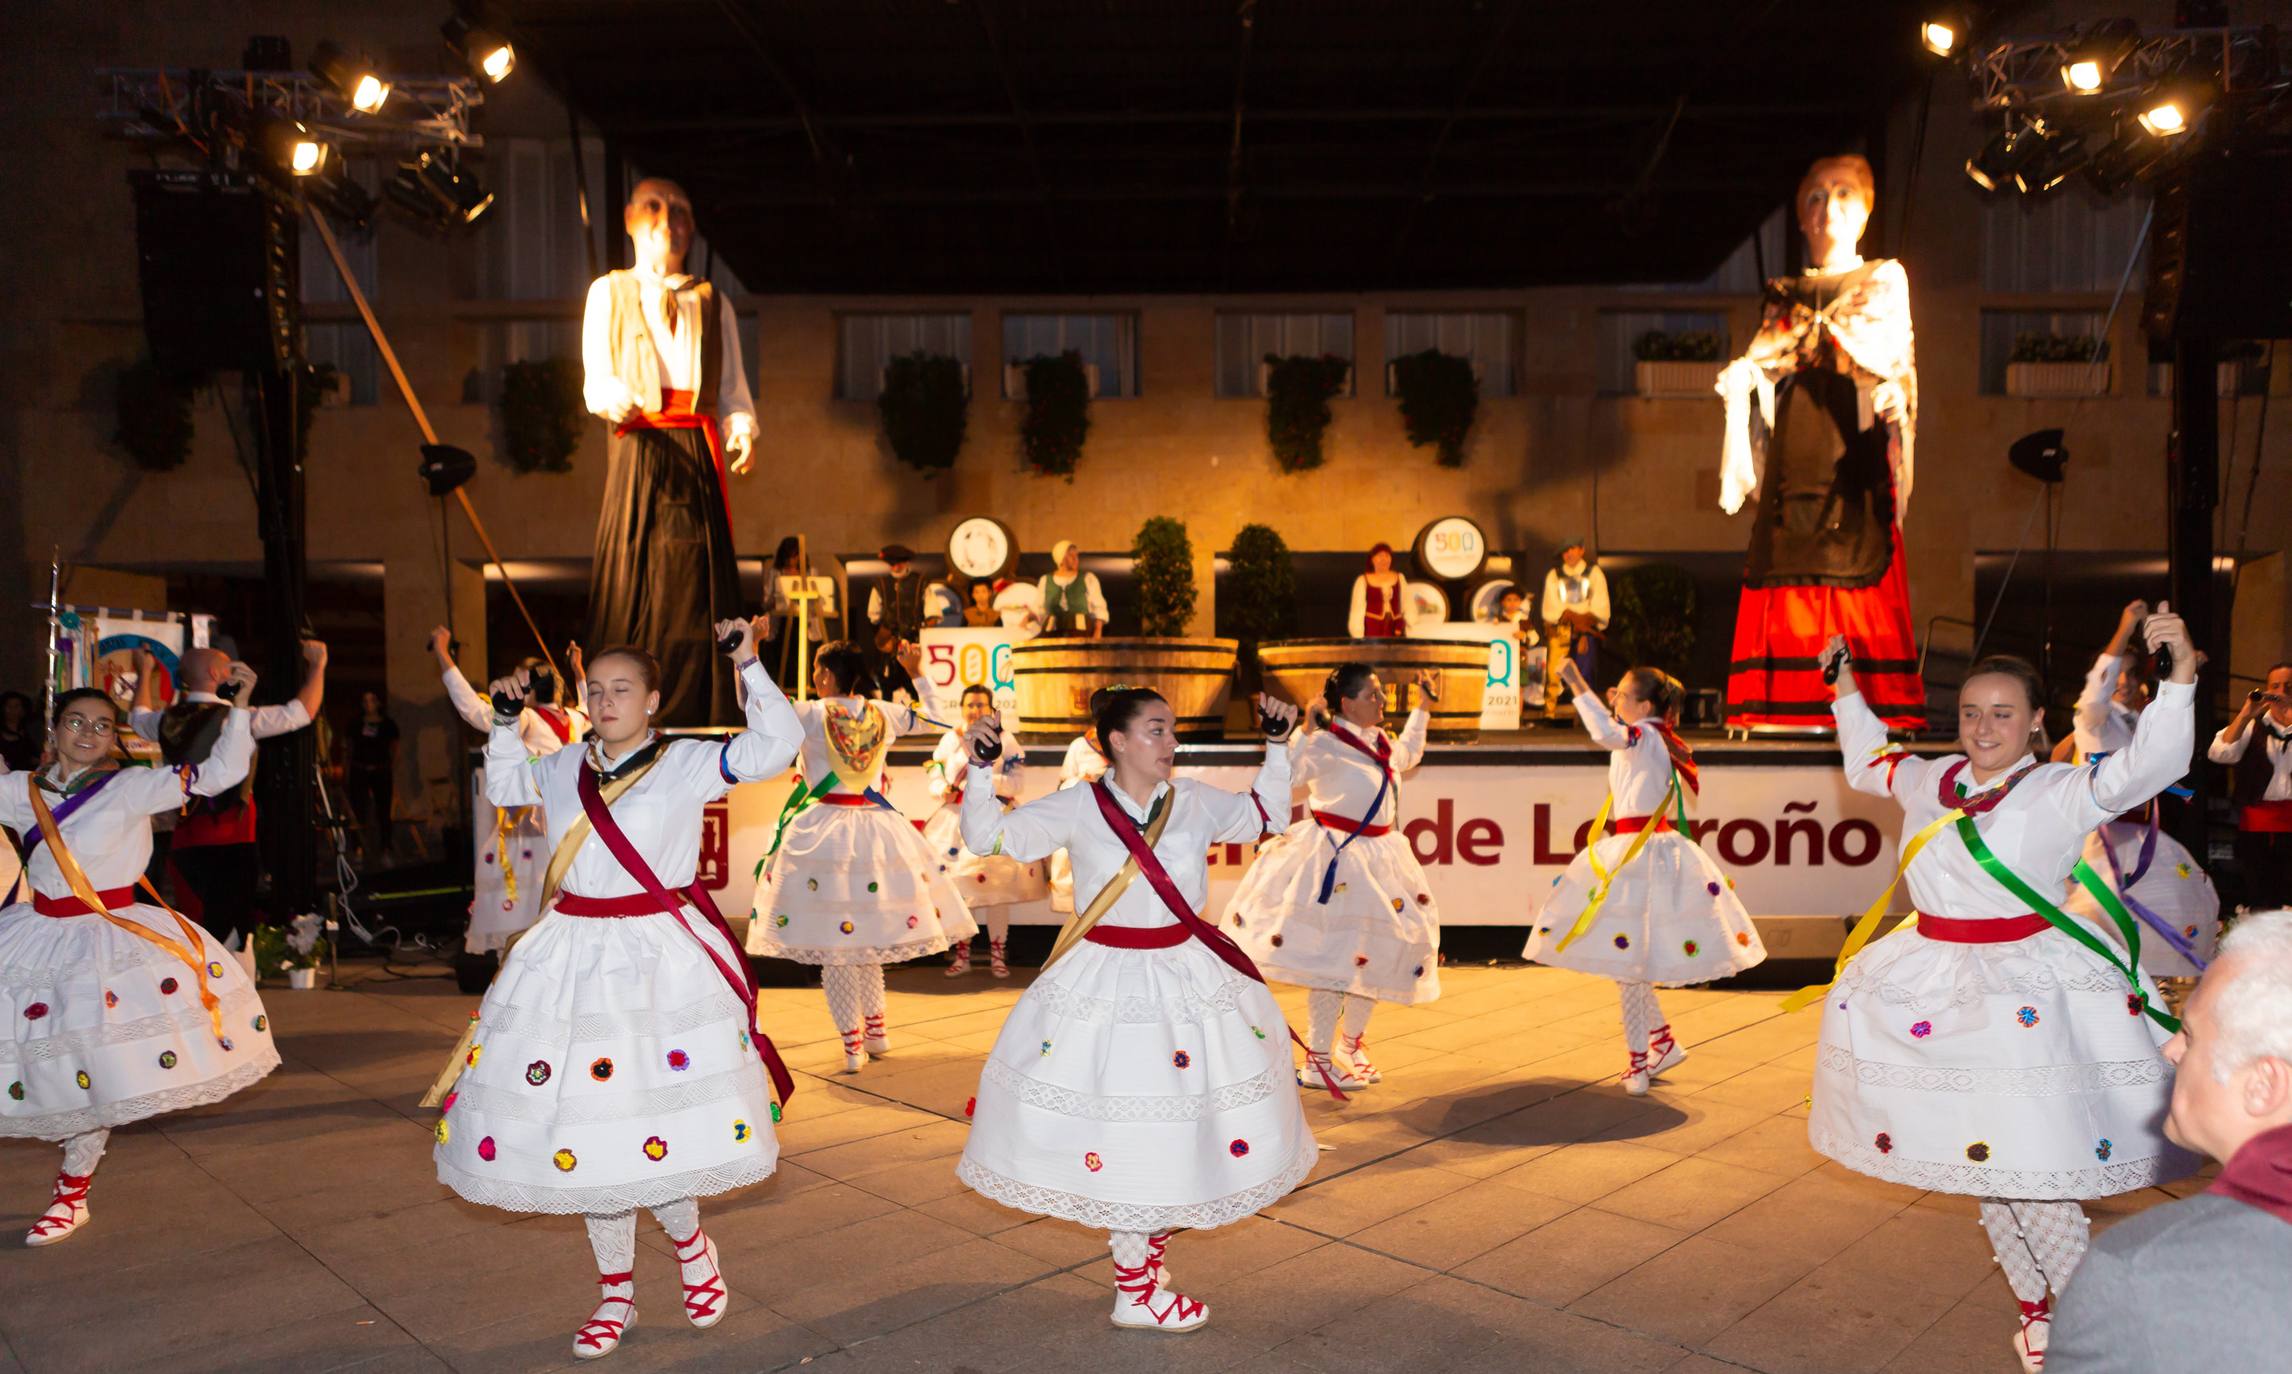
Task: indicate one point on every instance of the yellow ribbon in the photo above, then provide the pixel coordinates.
(77, 879)
(1074, 931)
(1868, 925)
(1607, 876)
(505, 822)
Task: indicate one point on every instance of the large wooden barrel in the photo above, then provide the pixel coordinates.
(1057, 676)
(1296, 668)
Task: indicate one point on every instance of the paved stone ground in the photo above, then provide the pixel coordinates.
(1489, 1207)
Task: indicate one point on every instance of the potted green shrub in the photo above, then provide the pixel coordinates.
(1257, 602)
(153, 416)
(543, 415)
(1440, 396)
(1653, 621)
(2057, 365)
(1297, 391)
(1675, 366)
(1057, 391)
(925, 404)
(1162, 572)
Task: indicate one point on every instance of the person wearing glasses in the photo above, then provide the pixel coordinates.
(113, 1008)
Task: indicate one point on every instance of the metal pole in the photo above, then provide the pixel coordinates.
(2192, 481)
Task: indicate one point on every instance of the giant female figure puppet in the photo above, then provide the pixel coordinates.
(1822, 412)
(661, 356)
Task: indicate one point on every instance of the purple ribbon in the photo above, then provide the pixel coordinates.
(2124, 884)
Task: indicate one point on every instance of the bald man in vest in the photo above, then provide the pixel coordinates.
(661, 356)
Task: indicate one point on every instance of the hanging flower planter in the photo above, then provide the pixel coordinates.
(1058, 394)
(2043, 365)
(1440, 397)
(925, 404)
(1297, 392)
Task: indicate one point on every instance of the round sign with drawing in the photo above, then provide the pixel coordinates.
(981, 548)
(1451, 548)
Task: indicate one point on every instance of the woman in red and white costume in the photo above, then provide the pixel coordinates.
(992, 884)
(1644, 905)
(615, 1063)
(513, 855)
(1142, 1082)
(850, 884)
(1341, 906)
(1380, 608)
(121, 1010)
(1995, 1049)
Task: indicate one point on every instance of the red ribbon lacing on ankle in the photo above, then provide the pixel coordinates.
(1357, 1046)
(1638, 1065)
(598, 1330)
(1155, 1245)
(700, 1299)
(1141, 1285)
(71, 1192)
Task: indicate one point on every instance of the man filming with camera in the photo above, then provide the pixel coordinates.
(2262, 789)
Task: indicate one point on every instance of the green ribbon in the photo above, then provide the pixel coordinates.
(798, 799)
(2069, 925)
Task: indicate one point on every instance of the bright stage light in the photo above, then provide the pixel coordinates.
(307, 158)
(488, 53)
(1941, 36)
(292, 148)
(353, 77)
(2097, 55)
(2165, 118)
(2082, 75)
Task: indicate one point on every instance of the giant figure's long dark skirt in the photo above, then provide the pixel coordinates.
(665, 570)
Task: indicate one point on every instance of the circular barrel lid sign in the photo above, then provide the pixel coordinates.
(981, 547)
(1451, 548)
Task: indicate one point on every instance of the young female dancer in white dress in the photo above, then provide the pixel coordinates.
(850, 885)
(1644, 905)
(615, 1063)
(2151, 872)
(1998, 1048)
(513, 845)
(1341, 906)
(115, 1008)
(1142, 1083)
(989, 885)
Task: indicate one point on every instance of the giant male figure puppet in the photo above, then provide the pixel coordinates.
(661, 355)
(1821, 419)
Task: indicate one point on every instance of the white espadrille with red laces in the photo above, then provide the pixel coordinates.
(1319, 1071)
(616, 1313)
(1663, 1052)
(66, 1215)
(961, 963)
(2036, 1327)
(1155, 1245)
(1142, 1303)
(998, 957)
(1635, 1075)
(1357, 1050)
(878, 1039)
(704, 1297)
(855, 1057)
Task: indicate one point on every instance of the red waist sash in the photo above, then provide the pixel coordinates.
(677, 412)
(2267, 817)
(1139, 937)
(113, 899)
(1990, 931)
(634, 904)
(1349, 826)
(1632, 825)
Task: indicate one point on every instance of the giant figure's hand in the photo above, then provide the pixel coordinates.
(737, 450)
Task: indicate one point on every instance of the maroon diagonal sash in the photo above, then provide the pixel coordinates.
(1157, 877)
(625, 852)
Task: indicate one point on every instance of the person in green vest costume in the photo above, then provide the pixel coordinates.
(1073, 603)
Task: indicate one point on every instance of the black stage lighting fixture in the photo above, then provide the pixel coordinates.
(445, 467)
(2132, 155)
(345, 201)
(2008, 150)
(353, 77)
(436, 192)
(2058, 157)
(2042, 455)
(489, 54)
(290, 147)
(2096, 55)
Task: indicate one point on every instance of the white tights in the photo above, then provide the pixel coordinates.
(1326, 1012)
(855, 992)
(82, 1151)
(613, 1235)
(2038, 1244)
(1641, 1014)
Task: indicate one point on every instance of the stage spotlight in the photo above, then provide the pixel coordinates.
(348, 203)
(2003, 157)
(445, 467)
(488, 53)
(436, 191)
(2058, 157)
(2166, 117)
(352, 76)
(2129, 157)
(2095, 57)
(1943, 34)
(292, 148)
